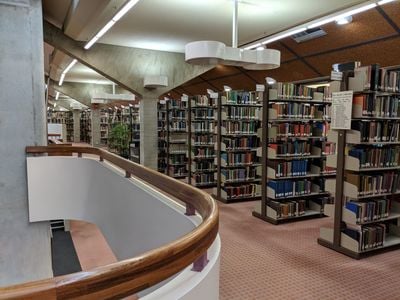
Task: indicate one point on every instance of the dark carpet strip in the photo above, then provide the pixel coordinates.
(64, 257)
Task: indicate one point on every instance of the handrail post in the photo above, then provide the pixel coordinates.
(127, 174)
(79, 154)
(101, 158)
(190, 210)
(200, 263)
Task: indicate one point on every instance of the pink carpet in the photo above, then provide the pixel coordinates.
(263, 261)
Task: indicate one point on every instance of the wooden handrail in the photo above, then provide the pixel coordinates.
(129, 276)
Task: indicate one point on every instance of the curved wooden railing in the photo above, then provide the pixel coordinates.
(130, 276)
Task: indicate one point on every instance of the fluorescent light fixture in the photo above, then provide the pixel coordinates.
(343, 15)
(55, 104)
(385, 1)
(122, 106)
(283, 35)
(260, 48)
(252, 46)
(61, 79)
(111, 23)
(270, 80)
(344, 21)
(130, 105)
(227, 88)
(70, 66)
(57, 95)
(116, 107)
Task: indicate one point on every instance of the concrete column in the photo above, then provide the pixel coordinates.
(95, 120)
(76, 114)
(25, 252)
(148, 132)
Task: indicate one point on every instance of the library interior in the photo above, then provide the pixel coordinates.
(263, 137)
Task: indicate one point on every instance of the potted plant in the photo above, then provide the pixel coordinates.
(119, 140)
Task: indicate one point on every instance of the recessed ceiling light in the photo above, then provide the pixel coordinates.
(345, 20)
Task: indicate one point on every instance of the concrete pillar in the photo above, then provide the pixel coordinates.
(95, 124)
(76, 114)
(25, 252)
(148, 131)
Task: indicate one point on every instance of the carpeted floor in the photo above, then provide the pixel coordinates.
(263, 261)
(64, 257)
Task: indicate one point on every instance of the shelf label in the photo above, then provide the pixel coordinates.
(260, 87)
(335, 75)
(342, 103)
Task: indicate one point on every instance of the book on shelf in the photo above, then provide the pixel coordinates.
(202, 126)
(296, 148)
(203, 166)
(241, 191)
(376, 157)
(202, 152)
(378, 106)
(375, 184)
(368, 237)
(232, 143)
(177, 104)
(202, 100)
(289, 168)
(369, 211)
(203, 140)
(377, 131)
(288, 209)
(240, 174)
(239, 98)
(240, 127)
(203, 178)
(241, 113)
(237, 159)
(296, 111)
(206, 113)
(389, 80)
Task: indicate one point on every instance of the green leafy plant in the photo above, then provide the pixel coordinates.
(118, 140)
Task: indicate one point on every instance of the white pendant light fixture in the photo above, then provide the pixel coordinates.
(214, 52)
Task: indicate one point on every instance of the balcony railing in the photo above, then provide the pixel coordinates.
(130, 276)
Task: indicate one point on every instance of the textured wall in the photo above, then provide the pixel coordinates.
(24, 248)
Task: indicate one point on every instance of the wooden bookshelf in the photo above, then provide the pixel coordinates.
(134, 144)
(293, 153)
(162, 136)
(238, 129)
(366, 213)
(86, 128)
(201, 140)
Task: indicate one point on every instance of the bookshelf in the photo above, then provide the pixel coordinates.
(177, 137)
(162, 135)
(64, 118)
(295, 122)
(134, 145)
(366, 213)
(238, 115)
(201, 141)
(86, 129)
(104, 126)
(69, 122)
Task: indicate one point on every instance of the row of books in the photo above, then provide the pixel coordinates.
(289, 188)
(323, 168)
(177, 114)
(387, 182)
(377, 131)
(294, 129)
(241, 142)
(240, 97)
(233, 159)
(177, 171)
(290, 168)
(203, 178)
(178, 159)
(177, 104)
(177, 137)
(296, 148)
(368, 237)
(203, 165)
(297, 110)
(239, 174)
(203, 113)
(377, 106)
(203, 126)
(328, 148)
(203, 152)
(203, 139)
(202, 100)
(377, 157)
(243, 112)
(242, 191)
(177, 125)
(288, 90)
(177, 148)
(369, 211)
(378, 79)
(288, 209)
(238, 127)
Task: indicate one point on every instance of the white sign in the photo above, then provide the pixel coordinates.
(335, 75)
(342, 103)
(260, 87)
(214, 95)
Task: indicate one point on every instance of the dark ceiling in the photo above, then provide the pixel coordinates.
(372, 37)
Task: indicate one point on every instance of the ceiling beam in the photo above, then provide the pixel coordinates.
(127, 66)
(387, 18)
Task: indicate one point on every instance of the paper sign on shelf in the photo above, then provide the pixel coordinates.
(214, 95)
(260, 87)
(342, 103)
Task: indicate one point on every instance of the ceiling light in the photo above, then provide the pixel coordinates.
(260, 48)
(227, 88)
(270, 80)
(61, 79)
(130, 105)
(57, 95)
(385, 1)
(111, 23)
(122, 106)
(283, 35)
(344, 21)
(343, 15)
